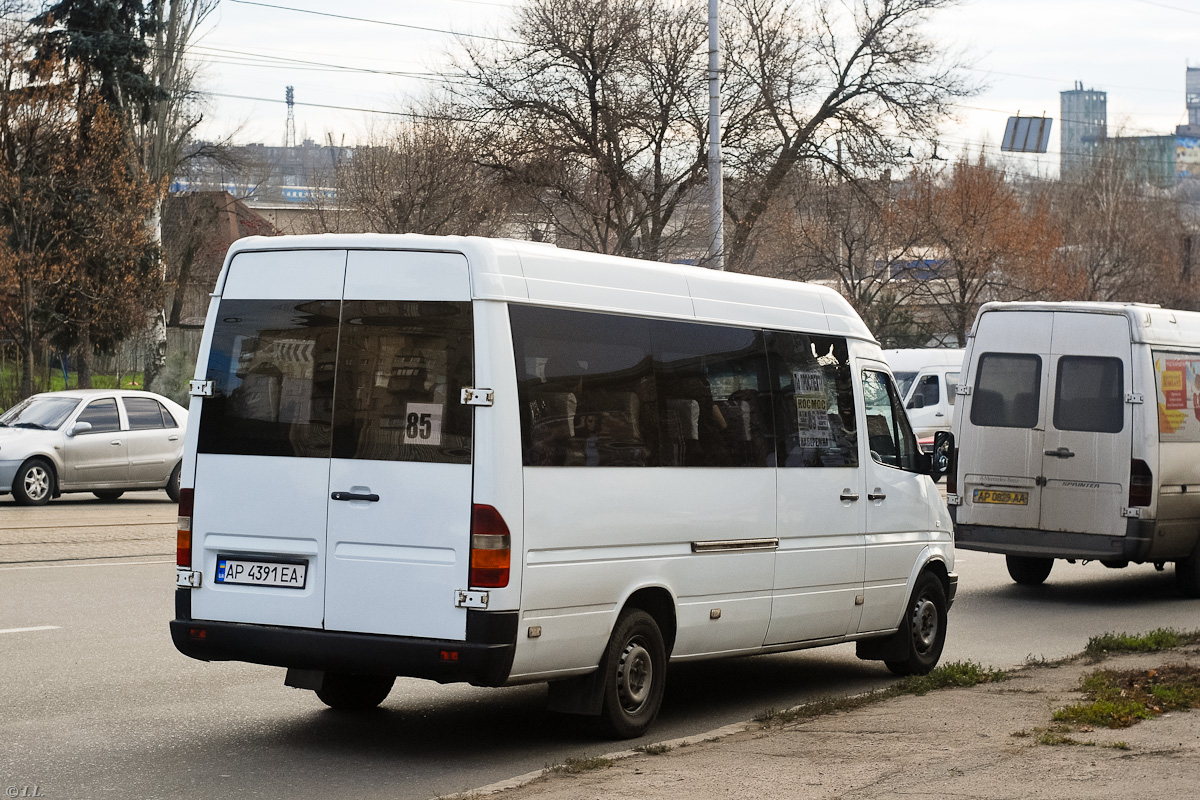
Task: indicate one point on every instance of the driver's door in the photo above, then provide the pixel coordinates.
(100, 455)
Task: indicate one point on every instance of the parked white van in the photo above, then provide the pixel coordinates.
(1078, 427)
(502, 462)
(928, 380)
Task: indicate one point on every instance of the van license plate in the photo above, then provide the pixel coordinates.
(286, 574)
(1001, 498)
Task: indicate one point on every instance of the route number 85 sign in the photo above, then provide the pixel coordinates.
(423, 423)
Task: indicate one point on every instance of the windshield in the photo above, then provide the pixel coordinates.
(904, 381)
(44, 413)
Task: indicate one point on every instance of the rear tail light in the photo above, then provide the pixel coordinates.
(1141, 483)
(491, 548)
(952, 475)
(183, 534)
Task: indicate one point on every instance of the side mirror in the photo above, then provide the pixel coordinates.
(79, 427)
(942, 459)
(917, 401)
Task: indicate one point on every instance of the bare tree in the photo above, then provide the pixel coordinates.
(820, 82)
(595, 112)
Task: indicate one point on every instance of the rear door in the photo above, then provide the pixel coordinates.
(1088, 441)
(1002, 445)
(400, 477)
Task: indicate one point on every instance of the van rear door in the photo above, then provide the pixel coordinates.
(334, 451)
(1088, 440)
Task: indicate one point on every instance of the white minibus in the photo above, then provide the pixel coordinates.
(501, 462)
(927, 378)
(1078, 428)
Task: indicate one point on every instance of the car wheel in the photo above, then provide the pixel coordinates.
(635, 667)
(354, 692)
(34, 483)
(925, 625)
(173, 483)
(108, 495)
(1029, 570)
(1187, 574)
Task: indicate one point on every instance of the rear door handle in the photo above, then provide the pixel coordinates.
(876, 495)
(849, 496)
(1061, 452)
(115, 442)
(370, 498)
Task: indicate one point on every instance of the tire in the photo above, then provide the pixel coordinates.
(925, 626)
(354, 692)
(108, 495)
(635, 669)
(173, 483)
(1187, 574)
(1029, 570)
(34, 483)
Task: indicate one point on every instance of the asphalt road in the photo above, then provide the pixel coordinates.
(95, 702)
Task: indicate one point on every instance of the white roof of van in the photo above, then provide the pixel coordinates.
(1150, 324)
(531, 272)
(913, 359)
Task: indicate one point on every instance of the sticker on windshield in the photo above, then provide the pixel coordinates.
(423, 423)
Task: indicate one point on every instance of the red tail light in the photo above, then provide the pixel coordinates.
(183, 534)
(1141, 483)
(491, 548)
(952, 475)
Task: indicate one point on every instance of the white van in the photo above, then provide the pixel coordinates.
(501, 462)
(928, 380)
(1078, 427)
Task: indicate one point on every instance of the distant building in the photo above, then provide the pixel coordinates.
(1084, 114)
(1192, 98)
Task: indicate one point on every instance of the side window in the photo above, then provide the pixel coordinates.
(1007, 391)
(1089, 394)
(889, 436)
(143, 413)
(103, 416)
(927, 391)
(585, 385)
(401, 368)
(813, 400)
(714, 405)
(951, 386)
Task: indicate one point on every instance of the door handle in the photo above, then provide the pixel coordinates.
(115, 442)
(877, 494)
(172, 438)
(939, 414)
(1061, 452)
(849, 496)
(370, 498)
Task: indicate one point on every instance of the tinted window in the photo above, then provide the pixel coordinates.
(401, 368)
(889, 436)
(1007, 390)
(272, 368)
(1089, 394)
(813, 400)
(586, 388)
(102, 414)
(927, 390)
(143, 412)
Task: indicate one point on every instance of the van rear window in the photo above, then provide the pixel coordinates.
(1089, 394)
(320, 378)
(1007, 391)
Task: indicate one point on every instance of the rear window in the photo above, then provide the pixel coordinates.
(1007, 390)
(320, 378)
(1089, 394)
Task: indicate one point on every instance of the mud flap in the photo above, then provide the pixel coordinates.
(583, 695)
(884, 648)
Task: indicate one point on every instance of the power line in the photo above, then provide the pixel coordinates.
(372, 21)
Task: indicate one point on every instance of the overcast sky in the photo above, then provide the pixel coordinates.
(1026, 51)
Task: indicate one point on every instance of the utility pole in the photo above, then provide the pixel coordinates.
(717, 204)
(289, 133)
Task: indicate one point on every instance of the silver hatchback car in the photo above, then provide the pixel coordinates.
(104, 441)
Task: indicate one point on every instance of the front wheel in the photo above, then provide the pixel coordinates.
(354, 692)
(1187, 574)
(1028, 570)
(34, 483)
(635, 675)
(925, 625)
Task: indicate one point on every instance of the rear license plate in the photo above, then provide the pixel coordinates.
(1004, 498)
(285, 574)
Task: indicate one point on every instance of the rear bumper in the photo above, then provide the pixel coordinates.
(1136, 545)
(485, 659)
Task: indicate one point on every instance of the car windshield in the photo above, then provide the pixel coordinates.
(44, 413)
(904, 380)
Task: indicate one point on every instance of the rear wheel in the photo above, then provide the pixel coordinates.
(635, 667)
(1187, 574)
(1027, 570)
(354, 692)
(925, 625)
(108, 494)
(34, 483)
(173, 484)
